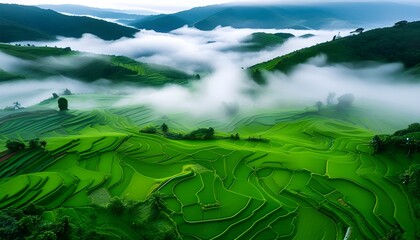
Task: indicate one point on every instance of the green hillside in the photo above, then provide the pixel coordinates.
(165, 23)
(262, 41)
(87, 67)
(315, 178)
(25, 23)
(385, 45)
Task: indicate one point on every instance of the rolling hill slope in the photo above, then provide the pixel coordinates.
(25, 23)
(385, 45)
(85, 67)
(316, 177)
(262, 41)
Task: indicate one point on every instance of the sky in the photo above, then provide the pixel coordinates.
(171, 5)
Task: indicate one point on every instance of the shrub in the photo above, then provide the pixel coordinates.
(37, 144)
(258, 139)
(164, 128)
(47, 235)
(345, 101)
(201, 133)
(15, 145)
(149, 130)
(67, 92)
(116, 206)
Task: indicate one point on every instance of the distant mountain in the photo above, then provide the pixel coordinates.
(85, 67)
(314, 16)
(161, 23)
(96, 12)
(26, 23)
(383, 45)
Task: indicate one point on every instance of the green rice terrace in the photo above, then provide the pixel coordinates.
(315, 176)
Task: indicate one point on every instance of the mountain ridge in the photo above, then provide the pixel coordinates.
(51, 24)
(314, 16)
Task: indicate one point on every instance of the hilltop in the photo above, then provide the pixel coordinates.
(262, 41)
(383, 45)
(26, 23)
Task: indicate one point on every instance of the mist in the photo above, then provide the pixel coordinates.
(225, 90)
(190, 49)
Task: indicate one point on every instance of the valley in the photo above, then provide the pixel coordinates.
(237, 132)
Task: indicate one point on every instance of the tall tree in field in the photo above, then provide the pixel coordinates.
(164, 128)
(63, 104)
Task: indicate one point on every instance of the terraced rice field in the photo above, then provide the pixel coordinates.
(316, 177)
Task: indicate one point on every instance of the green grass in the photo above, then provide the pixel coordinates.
(316, 177)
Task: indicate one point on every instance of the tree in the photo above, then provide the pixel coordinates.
(149, 130)
(15, 145)
(157, 205)
(55, 95)
(359, 31)
(377, 144)
(116, 206)
(319, 105)
(164, 128)
(345, 101)
(210, 133)
(63, 104)
(47, 235)
(67, 92)
(330, 98)
(36, 144)
(17, 105)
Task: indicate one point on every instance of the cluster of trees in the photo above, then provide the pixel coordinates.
(153, 130)
(16, 106)
(258, 139)
(343, 102)
(410, 179)
(26, 223)
(199, 134)
(149, 130)
(406, 139)
(235, 137)
(156, 211)
(149, 219)
(14, 145)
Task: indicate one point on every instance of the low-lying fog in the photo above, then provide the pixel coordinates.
(226, 89)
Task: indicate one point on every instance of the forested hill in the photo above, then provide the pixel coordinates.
(385, 45)
(26, 23)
